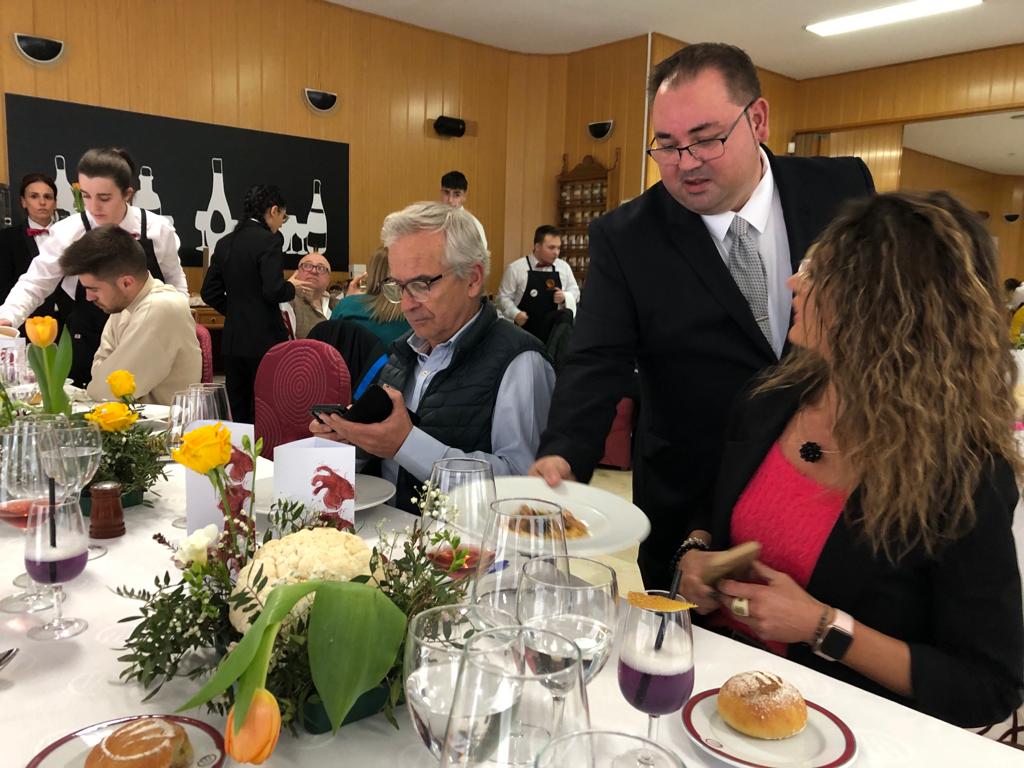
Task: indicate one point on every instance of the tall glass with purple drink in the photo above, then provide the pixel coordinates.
(655, 664)
(56, 550)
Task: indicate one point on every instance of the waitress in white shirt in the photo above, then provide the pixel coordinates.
(105, 177)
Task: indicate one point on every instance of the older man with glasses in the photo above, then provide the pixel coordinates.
(687, 285)
(312, 303)
(476, 386)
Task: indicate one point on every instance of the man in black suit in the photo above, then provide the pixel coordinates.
(687, 283)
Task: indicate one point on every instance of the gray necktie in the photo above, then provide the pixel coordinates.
(748, 272)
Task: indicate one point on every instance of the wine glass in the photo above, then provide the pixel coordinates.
(604, 749)
(71, 454)
(56, 550)
(517, 530)
(518, 688)
(213, 401)
(575, 597)
(464, 491)
(433, 650)
(655, 663)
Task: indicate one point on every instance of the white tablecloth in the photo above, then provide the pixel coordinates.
(55, 687)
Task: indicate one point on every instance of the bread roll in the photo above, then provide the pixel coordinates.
(149, 742)
(762, 705)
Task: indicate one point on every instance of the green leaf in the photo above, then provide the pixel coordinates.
(279, 602)
(355, 632)
(62, 359)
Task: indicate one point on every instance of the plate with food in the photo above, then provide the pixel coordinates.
(166, 741)
(597, 522)
(758, 719)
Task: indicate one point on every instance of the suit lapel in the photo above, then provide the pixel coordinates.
(692, 240)
(796, 208)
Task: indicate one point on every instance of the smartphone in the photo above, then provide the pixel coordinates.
(374, 406)
(731, 563)
(316, 410)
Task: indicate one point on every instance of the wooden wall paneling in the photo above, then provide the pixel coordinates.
(196, 73)
(299, 48)
(975, 188)
(51, 21)
(224, 62)
(880, 147)
(274, 102)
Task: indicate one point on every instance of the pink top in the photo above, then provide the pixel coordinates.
(791, 515)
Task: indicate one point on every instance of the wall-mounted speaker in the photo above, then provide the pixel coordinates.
(450, 126)
(320, 101)
(600, 130)
(38, 50)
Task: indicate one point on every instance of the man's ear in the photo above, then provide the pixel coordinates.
(475, 280)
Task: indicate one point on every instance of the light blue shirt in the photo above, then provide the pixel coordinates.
(520, 413)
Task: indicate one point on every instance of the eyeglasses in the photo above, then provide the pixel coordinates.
(315, 269)
(418, 288)
(703, 150)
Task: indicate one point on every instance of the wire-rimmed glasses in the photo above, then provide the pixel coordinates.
(702, 151)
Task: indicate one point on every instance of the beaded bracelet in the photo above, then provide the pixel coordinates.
(691, 543)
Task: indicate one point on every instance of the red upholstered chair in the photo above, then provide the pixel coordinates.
(617, 446)
(292, 376)
(206, 348)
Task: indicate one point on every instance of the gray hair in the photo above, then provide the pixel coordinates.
(464, 245)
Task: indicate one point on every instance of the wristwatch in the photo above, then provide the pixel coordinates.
(836, 638)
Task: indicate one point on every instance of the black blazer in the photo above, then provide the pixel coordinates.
(960, 612)
(17, 250)
(659, 296)
(245, 283)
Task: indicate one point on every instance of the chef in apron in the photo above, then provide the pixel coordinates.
(105, 177)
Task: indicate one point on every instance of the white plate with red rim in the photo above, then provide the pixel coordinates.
(826, 742)
(613, 524)
(72, 749)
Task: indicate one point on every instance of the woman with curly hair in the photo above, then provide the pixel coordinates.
(245, 283)
(876, 466)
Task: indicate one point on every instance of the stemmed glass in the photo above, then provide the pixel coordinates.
(213, 399)
(465, 492)
(433, 650)
(604, 749)
(518, 530)
(655, 665)
(71, 455)
(200, 402)
(575, 597)
(56, 550)
(518, 688)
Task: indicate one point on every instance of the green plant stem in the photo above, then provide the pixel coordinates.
(216, 478)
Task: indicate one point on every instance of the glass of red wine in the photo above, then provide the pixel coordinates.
(56, 550)
(655, 667)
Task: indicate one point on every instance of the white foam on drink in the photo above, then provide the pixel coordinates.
(673, 658)
(67, 547)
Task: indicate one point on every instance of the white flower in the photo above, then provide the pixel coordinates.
(194, 548)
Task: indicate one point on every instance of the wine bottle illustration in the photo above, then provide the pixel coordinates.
(316, 223)
(65, 197)
(146, 197)
(215, 221)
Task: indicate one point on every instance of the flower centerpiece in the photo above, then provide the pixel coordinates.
(50, 362)
(131, 451)
(307, 618)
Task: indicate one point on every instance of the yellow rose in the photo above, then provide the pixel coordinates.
(122, 383)
(41, 331)
(204, 448)
(112, 417)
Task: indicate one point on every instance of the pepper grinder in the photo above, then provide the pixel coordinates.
(106, 520)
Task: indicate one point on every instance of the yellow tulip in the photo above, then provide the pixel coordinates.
(41, 331)
(122, 383)
(256, 739)
(205, 448)
(112, 417)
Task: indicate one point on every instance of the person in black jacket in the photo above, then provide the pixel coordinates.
(245, 283)
(660, 296)
(876, 466)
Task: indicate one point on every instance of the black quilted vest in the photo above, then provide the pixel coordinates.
(458, 404)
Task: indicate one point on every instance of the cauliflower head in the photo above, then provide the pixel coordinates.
(312, 553)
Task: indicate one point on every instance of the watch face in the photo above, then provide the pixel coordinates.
(836, 643)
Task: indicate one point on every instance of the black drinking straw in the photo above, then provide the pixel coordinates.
(645, 680)
(53, 528)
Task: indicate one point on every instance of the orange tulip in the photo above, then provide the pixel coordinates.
(41, 331)
(256, 739)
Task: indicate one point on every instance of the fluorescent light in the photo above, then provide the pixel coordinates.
(889, 15)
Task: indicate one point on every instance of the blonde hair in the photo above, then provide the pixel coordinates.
(910, 311)
(381, 310)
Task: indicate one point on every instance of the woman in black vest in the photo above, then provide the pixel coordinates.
(245, 283)
(19, 244)
(105, 177)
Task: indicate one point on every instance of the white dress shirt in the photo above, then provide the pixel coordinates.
(44, 273)
(763, 211)
(513, 285)
(42, 238)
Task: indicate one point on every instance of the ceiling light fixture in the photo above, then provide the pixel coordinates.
(889, 15)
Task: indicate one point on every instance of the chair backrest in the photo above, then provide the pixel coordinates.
(292, 376)
(206, 348)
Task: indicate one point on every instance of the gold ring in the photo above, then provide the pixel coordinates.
(740, 606)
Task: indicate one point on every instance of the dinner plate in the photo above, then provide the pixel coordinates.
(72, 749)
(370, 491)
(613, 523)
(826, 742)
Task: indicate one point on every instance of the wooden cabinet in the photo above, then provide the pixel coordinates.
(587, 191)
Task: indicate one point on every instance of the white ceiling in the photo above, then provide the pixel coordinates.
(771, 31)
(992, 142)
